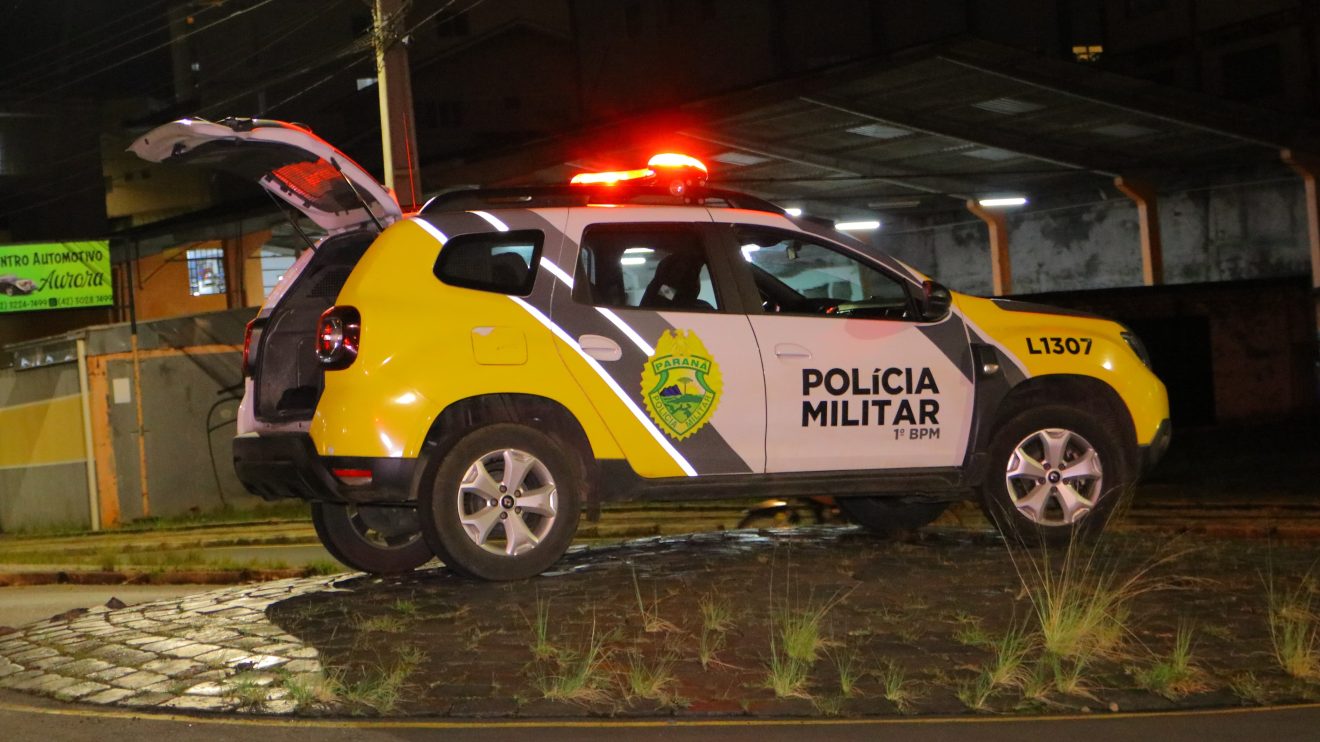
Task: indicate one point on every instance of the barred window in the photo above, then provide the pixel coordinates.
(206, 272)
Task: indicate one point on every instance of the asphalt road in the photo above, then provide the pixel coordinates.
(26, 718)
(23, 605)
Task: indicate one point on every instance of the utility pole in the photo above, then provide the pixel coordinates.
(398, 135)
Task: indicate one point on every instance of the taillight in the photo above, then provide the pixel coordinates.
(337, 337)
(247, 348)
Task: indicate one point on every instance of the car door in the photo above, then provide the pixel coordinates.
(853, 380)
(651, 305)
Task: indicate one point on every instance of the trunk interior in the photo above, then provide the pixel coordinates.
(287, 375)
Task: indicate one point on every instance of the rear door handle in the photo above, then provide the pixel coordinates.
(600, 347)
(791, 350)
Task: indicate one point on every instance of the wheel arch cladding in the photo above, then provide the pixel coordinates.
(547, 415)
(1085, 393)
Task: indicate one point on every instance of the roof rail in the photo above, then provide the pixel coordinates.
(530, 197)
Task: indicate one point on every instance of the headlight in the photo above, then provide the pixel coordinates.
(1137, 346)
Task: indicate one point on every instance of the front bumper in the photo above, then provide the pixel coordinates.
(1159, 445)
(286, 465)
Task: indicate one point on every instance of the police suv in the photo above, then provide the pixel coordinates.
(464, 381)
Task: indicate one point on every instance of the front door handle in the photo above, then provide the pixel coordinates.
(600, 347)
(791, 350)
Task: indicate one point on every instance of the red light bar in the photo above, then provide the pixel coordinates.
(671, 159)
(610, 178)
(664, 161)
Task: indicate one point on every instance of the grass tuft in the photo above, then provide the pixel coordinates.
(577, 677)
(1294, 626)
(651, 680)
(651, 621)
(897, 689)
(1174, 676)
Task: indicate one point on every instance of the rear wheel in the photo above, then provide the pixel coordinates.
(503, 503)
(890, 515)
(380, 540)
(1056, 473)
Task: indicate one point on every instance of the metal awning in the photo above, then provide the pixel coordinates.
(928, 130)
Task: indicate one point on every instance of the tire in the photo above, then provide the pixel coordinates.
(1055, 474)
(535, 485)
(888, 516)
(379, 540)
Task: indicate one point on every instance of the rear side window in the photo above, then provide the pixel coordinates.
(660, 267)
(502, 262)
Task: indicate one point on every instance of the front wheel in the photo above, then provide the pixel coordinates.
(888, 516)
(1056, 473)
(379, 540)
(503, 503)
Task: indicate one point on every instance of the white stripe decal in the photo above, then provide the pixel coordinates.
(492, 219)
(430, 229)
(557, 272)
(627, 329)
(613, 385)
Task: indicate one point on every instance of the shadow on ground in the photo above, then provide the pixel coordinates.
(920, 626)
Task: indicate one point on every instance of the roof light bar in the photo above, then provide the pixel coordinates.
(663, 161)
(613, 177)
(1000, 202)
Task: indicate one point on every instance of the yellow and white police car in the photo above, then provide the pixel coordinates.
(464, 381)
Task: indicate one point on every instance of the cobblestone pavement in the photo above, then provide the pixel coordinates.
(214, 651)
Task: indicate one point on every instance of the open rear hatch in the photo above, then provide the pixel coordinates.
(309, 174)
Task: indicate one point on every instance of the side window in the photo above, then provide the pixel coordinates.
(644, 267)
(503, 262)
(797, 276)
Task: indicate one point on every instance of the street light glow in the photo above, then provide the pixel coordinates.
(861, 226)
(1006, 201)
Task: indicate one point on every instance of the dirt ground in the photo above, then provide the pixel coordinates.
(908, 626)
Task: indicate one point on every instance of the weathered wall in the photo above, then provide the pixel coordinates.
(43, 470)
(1223, 233)
(188, 371)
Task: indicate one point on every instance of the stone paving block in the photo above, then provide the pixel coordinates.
(280, 706)
(142, 640)
(47, 683)
(81, 646)
(223, 656)
(78, 690)
(147, 699)
(200, 703)
(306, 653)
(84, 667)
(121, 655)
(279, 649)
(8, 668)
(247, 642)
(173, 668)
(17, 680)
(113, 672)
(211, 636)
(32, 655)
(258, 662)
(113, 695)
(164, 645)
(188, 651)
(209, 688)
(139, 680)
(50, 663)
(12, 645)
(303, 666)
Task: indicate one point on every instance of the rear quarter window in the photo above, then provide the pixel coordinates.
(502, 262)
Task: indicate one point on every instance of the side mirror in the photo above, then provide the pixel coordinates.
(935, 301)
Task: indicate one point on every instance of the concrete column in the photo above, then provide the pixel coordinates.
(398, 129)
(1001, 271)
(1148, 212)
(1309, 167)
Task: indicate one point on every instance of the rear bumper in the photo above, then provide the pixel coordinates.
(1151, 454)
(286, 465)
